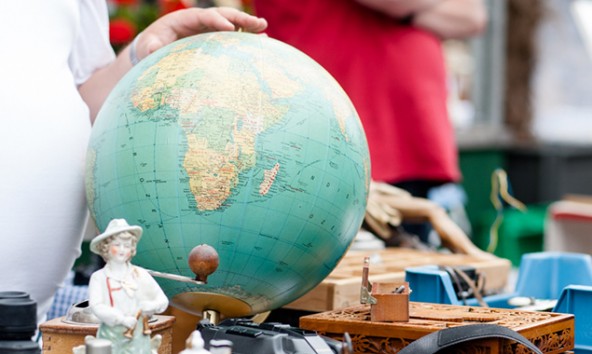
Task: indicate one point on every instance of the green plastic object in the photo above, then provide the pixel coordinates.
(519, 233)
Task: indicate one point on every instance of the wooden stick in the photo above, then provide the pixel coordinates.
(130, 331)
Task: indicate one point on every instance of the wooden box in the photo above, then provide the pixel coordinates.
(59, 336)
(551, 332)
(342, 287)
(390, 306)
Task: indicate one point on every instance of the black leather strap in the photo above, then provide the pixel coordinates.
(449, 337)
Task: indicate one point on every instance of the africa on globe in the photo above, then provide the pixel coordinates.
(240, 142)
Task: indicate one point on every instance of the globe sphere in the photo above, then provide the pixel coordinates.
(240, 142)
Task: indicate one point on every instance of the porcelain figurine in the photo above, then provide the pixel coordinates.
(194, 344)
(123, 296)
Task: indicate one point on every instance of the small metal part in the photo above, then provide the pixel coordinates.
(399, 290)
(212, 316)
(176, 277)
(348, 347)
(366, 289)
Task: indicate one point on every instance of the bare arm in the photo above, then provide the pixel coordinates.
(163, 31)
(399, 8)
(453, 18)
(445, 18)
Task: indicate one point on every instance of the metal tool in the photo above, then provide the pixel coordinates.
(366, 290)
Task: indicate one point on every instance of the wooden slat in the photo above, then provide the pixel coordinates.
(342, 287)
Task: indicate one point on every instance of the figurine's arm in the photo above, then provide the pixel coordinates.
(98, 300)
(152, 298)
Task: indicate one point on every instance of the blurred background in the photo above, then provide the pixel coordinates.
(519, 100)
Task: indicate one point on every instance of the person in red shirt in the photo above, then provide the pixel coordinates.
(388, 57)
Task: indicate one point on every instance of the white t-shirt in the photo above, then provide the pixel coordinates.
(47, 49)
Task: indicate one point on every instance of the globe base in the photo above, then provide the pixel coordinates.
(197, 303)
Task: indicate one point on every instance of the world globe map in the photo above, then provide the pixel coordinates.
(240, 142)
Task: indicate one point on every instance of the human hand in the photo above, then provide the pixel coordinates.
(187, 22)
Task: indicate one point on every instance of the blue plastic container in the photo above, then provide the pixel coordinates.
(543, 275)
(431, 284)
(576, 300)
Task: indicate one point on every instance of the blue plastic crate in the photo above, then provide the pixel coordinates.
(576, 300)
(432, 284)
(543, 275)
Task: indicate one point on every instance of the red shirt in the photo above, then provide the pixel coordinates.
(394, 75)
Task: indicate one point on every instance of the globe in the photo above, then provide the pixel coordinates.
(240, 142)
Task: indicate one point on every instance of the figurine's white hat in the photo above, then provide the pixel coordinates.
(115, 226)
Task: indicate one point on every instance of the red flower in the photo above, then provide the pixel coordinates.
(167, 6)
(125, 2)
(121, 31)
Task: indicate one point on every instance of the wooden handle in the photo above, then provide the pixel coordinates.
(130, 331)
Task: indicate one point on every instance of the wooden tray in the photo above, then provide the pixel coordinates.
(551, 332)
(342, 287)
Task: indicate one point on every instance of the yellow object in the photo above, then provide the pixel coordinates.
(499, 193)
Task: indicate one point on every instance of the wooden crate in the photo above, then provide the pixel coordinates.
(550, 332)
(59, 336)
(342, 287)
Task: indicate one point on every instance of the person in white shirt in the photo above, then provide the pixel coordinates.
(56, 69)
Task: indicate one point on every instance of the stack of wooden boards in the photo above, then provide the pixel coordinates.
(342, 287)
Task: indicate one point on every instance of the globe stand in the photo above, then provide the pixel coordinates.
(212, 316)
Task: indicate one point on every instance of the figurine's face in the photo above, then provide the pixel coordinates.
(120, 250)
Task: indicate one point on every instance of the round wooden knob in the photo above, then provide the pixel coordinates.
(203, 261)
